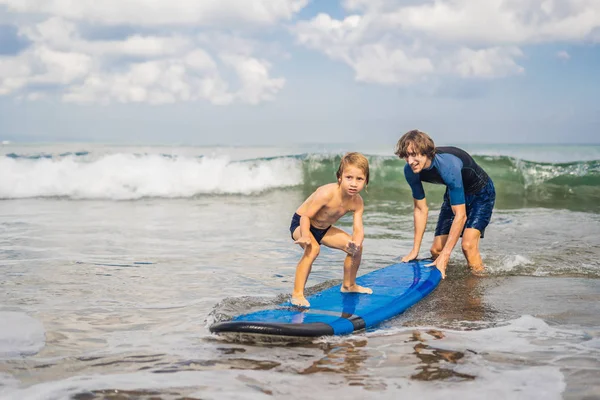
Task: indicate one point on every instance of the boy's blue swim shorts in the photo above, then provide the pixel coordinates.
(317, 233)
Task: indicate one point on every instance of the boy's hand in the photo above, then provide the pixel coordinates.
(352, 248)
(303, 240)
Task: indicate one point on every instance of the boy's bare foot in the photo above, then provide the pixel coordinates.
(300, 301)
(356, 289)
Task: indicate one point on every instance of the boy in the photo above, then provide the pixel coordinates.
(312, 225)
(468, 201)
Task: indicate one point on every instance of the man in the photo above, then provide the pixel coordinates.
(468, 201)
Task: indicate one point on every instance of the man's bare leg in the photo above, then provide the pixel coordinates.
(438, 245)
(470, 248)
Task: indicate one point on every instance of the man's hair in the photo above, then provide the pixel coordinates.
(422, 144)
(357, 160)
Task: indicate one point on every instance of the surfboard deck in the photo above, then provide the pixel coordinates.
(395, 288)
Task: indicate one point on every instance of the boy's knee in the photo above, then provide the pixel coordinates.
(313, 250)
(357, 254)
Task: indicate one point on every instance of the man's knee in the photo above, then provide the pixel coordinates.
(469, 246)
(435, 251)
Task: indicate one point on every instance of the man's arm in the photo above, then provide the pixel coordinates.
(420, 221)
(450, 168)
(419, 213)
(460, 217)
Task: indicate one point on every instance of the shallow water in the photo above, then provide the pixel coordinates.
(113, 299)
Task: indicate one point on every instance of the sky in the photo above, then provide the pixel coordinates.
(270, 72)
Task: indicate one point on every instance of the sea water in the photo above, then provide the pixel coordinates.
(115, 260)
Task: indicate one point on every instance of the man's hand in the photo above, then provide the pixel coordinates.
(352, 248)
(441, 263)
(303, 240)
(411, 256)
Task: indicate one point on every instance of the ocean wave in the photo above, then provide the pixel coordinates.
(126, 176)
(132, 176)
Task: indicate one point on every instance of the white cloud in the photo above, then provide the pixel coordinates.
(154, 82)
(42, 65)
(14, 73)
(196, 57)
(61, 34)
(178, 66)
(403, 42)
(192, 77)
(382, 63)
(563, 55)
(256, 85)
(493, 62)
(163, 12)
(500, 21)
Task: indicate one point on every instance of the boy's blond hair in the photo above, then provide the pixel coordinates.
(422, 144)
(357, 160)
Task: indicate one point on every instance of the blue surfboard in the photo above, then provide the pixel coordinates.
(395, 288)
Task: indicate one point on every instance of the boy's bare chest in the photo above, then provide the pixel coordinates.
(336, 211)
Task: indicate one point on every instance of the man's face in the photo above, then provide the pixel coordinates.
(416, 161)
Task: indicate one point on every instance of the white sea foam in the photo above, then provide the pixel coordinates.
(533, 383)
(520, 359)
(128, 176)
(521, 335)
(525, 334)
(552, 153)
(20, 335)
(509, 263)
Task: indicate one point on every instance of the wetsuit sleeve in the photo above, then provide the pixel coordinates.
(449, 167)
(414, 181)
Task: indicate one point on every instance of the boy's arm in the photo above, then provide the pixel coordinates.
(358, 232)
(304, 230)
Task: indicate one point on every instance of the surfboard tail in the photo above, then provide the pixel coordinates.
(314, 329)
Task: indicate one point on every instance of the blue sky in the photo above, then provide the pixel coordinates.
(256, 72)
